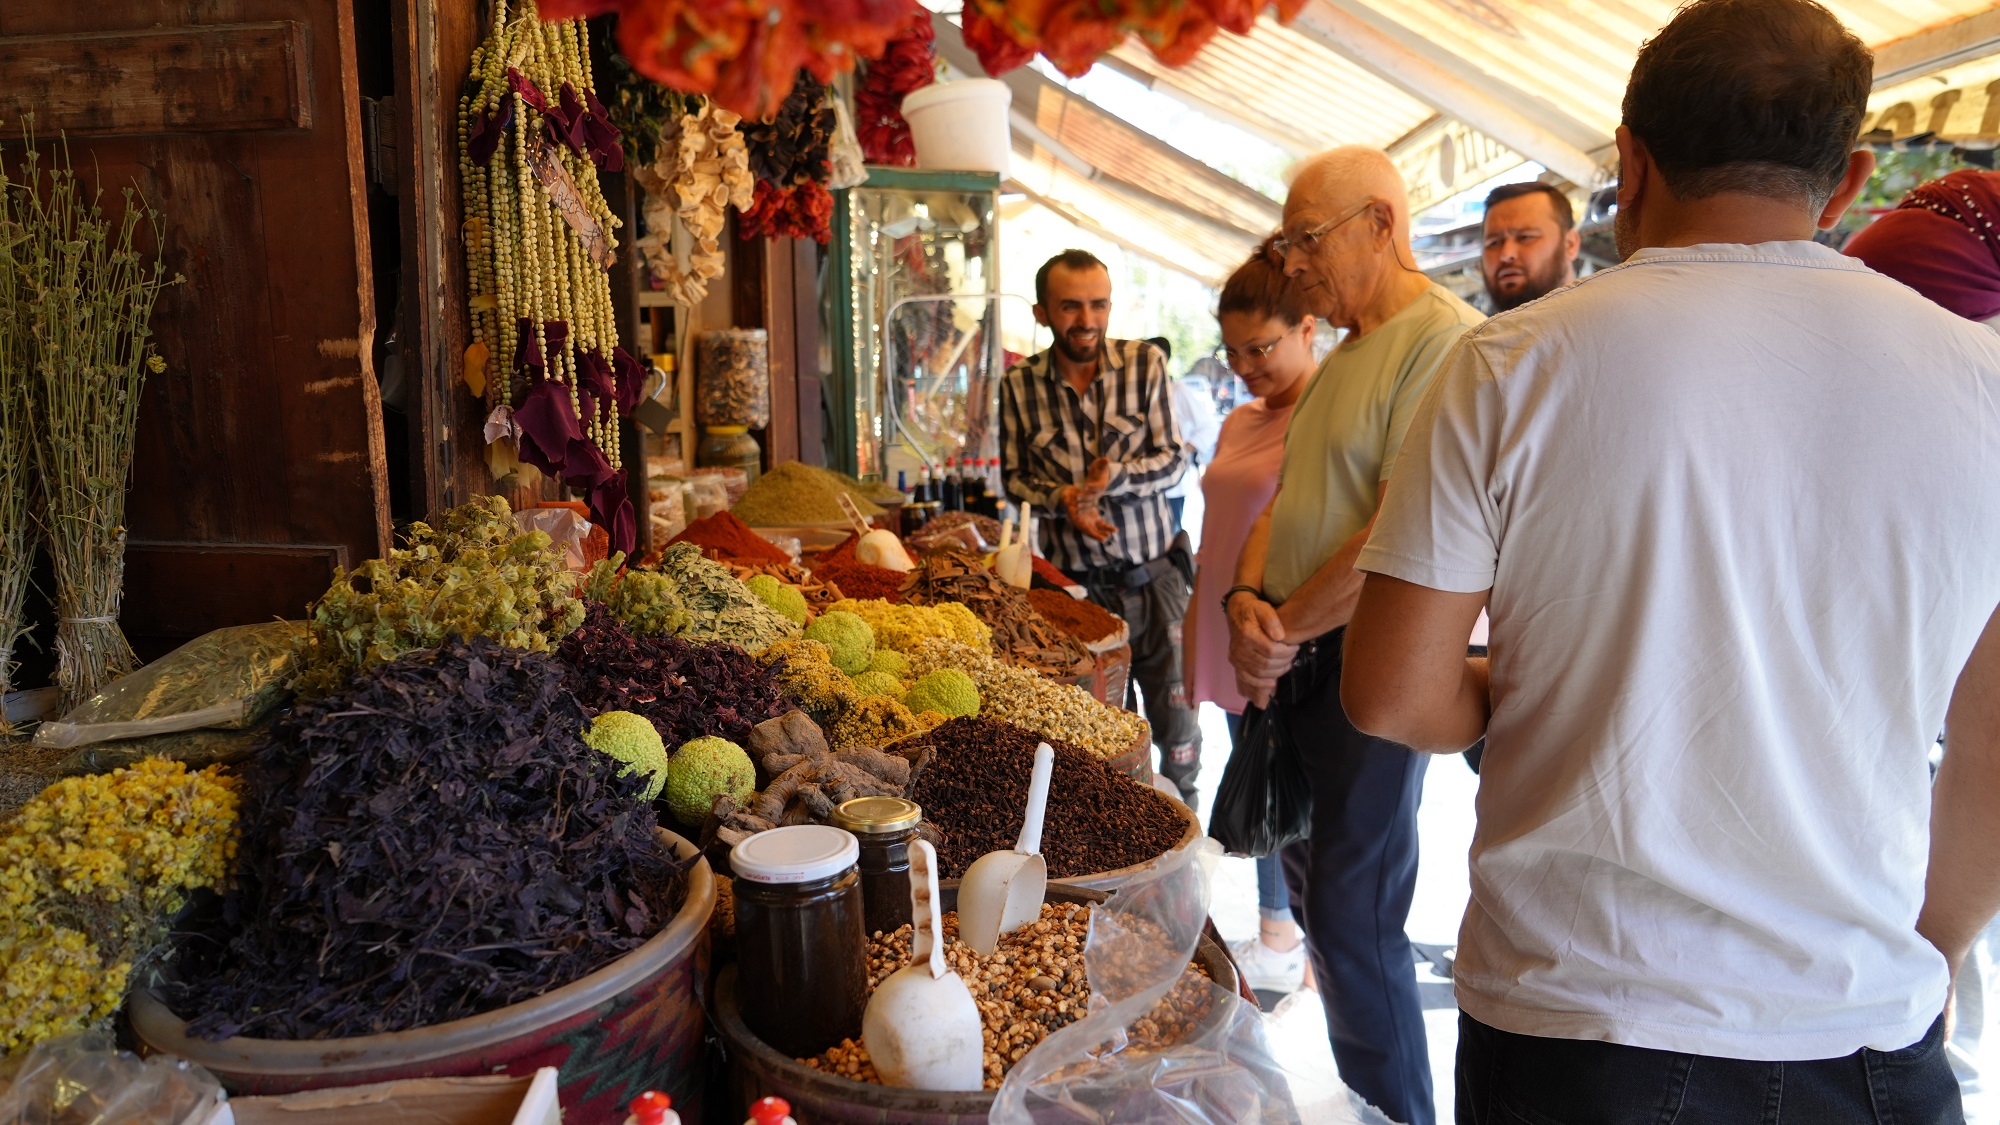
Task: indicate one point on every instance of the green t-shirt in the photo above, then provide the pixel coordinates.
(1345, 432)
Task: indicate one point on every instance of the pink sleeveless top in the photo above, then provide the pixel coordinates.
(1234, 489)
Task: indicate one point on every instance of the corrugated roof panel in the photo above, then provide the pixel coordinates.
(1284, 86)
(1577, 54)
(1121, 150)
(1113, 210)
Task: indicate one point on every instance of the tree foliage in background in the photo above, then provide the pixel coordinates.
(1896, 172)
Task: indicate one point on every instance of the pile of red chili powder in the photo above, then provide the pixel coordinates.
(723, 536)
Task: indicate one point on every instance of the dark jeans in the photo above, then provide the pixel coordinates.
(1504, 1078)
(1153, 613)
(1352, 881)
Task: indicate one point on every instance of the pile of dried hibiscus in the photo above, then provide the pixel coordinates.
(687, 690)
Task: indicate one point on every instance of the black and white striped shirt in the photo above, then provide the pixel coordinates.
(1049, 434)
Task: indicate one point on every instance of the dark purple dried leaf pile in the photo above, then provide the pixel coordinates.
(688, 690)
(432, 842)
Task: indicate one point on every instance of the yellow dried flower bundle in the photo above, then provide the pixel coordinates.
(90, 872)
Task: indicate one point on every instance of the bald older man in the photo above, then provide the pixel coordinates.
(1347, 236)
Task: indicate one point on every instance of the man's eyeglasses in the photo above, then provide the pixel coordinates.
(1284, 245)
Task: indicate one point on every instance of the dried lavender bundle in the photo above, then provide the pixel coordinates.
(88, 294)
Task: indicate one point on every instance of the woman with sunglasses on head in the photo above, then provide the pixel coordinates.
(1267, 339)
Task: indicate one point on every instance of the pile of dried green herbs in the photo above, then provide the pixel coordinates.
(434, 842)
(720, 607)
(83, 300)
(475, 574)
(648, 602)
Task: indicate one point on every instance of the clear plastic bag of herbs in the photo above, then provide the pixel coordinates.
(228, 680)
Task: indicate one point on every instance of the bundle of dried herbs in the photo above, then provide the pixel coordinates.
(721, 608)
(476, 574)
(17, 455)
(87, 291)
(1021, 635)
(434, 842)
(687, 690)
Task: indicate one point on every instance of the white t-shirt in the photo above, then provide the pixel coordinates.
(1194, 413)
(1739, 510)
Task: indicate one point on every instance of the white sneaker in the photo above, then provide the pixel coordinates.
(1267, 969)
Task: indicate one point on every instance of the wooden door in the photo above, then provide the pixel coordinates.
(260, 462)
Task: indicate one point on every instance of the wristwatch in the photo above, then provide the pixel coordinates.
(1235, 590)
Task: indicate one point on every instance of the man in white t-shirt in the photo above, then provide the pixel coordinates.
(1735, 505)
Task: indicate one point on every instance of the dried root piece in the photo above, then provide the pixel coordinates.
(888, 768)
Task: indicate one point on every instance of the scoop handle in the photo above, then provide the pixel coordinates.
(1030, 842)
(853, 512)
(926, 943)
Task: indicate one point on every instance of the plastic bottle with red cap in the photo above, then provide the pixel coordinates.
(653, 1108)
(771, 1111)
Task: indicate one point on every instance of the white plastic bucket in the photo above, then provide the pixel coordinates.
(961, 125)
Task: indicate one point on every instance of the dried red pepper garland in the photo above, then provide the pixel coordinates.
(910, 63)
(1006, 34)
(744, 54)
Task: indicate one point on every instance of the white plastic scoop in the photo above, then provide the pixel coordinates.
(876, 546)
(921, 1026)
(1002, 891)
(1015, 562)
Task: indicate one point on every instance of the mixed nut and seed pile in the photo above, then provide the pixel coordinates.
(1031, 986)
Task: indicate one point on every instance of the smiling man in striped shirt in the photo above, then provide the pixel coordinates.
(1087, 436)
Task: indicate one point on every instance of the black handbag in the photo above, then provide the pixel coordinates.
(1264, 801)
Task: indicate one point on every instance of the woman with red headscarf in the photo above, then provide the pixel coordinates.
(1943, 240)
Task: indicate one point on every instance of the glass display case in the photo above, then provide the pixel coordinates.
(913, 322)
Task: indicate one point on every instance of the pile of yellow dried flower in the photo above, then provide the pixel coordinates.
(90, 873)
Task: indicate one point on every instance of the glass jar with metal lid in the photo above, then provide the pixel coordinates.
(801, 949)
(884, 826)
